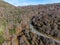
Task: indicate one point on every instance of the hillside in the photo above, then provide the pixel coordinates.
(44, 19)
(9, 17)
(29, 25)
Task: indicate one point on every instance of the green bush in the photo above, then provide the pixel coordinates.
(1, 39)
(13, 30)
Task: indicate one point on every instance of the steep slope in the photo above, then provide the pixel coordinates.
(22, 25)
(9, 18)
(45, 21)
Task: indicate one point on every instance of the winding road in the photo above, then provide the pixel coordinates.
(41, 34)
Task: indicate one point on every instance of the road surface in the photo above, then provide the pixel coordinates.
(41, 34)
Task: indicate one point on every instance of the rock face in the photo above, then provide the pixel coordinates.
(45, 19)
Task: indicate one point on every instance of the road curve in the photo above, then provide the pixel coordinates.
(41, 34)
